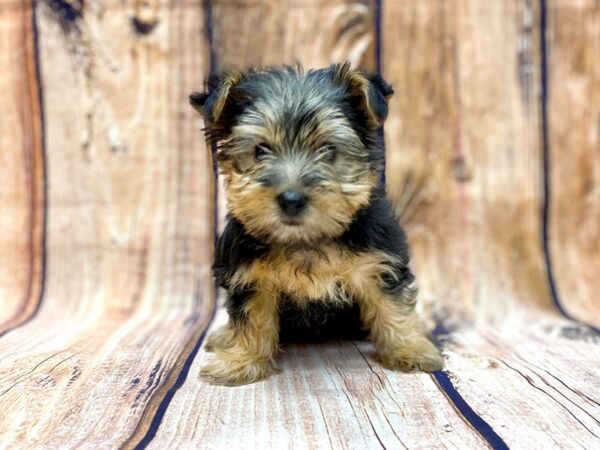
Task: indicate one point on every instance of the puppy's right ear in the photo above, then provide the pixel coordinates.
(197, 100)
(221, 95)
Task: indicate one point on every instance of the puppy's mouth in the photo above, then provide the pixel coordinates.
(291, 221)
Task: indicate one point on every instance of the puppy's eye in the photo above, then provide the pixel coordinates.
(261, 151)
(327, 152)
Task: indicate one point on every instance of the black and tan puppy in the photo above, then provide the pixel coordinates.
(311, 247)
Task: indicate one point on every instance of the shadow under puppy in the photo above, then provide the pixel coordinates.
(311, 246)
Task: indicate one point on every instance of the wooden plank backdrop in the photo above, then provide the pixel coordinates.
(108, 214)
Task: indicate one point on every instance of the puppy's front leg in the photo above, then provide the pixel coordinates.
(251, 342)
(396, 330)
(221, 338)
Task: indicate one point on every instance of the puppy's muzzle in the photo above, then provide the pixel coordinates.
(292, 203)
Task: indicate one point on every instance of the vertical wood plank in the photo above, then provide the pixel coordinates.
(129, 226)
(21, 168)
(464, 150)
(314, 32)
(465, 169)
(573, 108)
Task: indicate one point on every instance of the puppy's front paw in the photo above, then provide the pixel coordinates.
(418, 354)
(219, 339)
(224, 371)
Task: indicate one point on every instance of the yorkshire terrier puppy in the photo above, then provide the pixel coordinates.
(311, 247)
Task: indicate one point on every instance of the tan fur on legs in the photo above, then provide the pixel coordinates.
(397, 332)
(254, 338)
(221, 338)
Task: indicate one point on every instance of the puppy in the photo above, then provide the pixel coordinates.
(311, 248)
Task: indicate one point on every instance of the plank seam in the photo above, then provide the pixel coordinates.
(185, 369)
(166, 401)
(480, 426)
(529, 381)
(547, 192)
(44, 193)
(212, 65)
(443, 381)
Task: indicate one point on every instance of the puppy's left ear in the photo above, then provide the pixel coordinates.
(366, 91)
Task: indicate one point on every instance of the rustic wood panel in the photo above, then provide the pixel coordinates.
(111, 356)
(534, 385)
(465, 153)
(573, 108)
(470, 197)
(129, 233)
(327, 400)
(314, 32)
(21, 169)
(464, 150)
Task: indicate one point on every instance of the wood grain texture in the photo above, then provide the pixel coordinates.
(21, 169)
(536, 386)
(465, 154)
(331, 395)
(110, 358)
(573, 39)
(470, 165)
(313, 32)
(129, 233)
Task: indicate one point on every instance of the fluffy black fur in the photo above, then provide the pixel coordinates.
(319, 322)
(376, 228)
(235, 248)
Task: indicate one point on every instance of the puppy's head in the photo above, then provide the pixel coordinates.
(298, 150)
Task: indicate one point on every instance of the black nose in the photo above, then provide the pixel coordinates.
(292, 203)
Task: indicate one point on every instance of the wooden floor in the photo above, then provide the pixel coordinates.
(108, 212)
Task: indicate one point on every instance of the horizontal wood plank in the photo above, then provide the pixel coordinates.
(534, 384)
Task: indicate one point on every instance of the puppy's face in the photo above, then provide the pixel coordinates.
(297, 149)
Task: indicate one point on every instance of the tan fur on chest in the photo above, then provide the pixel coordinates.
(328, 273)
